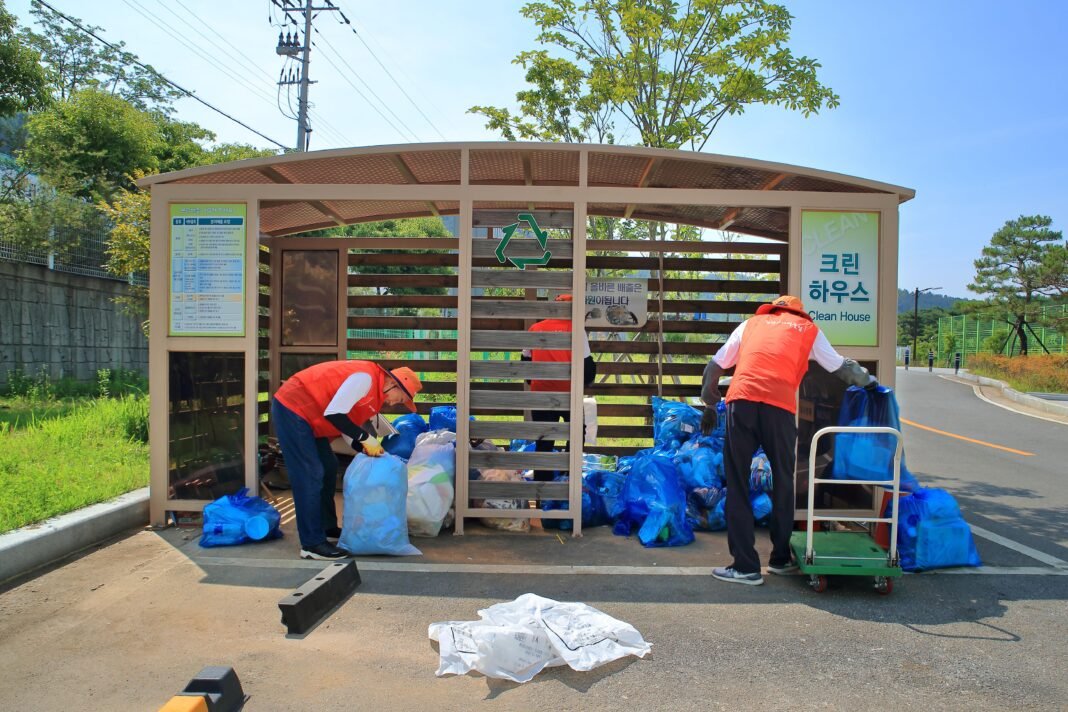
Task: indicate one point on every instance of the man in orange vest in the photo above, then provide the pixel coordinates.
(314, 406)
(770, 353)
(589, 372)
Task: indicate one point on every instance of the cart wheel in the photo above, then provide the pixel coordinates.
(818, 583)
(883, 585)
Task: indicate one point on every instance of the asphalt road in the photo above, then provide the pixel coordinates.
(126, 626)
(1020, 496)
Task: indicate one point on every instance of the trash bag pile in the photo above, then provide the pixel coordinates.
(661, 494)
(238, 519)
(931, 532)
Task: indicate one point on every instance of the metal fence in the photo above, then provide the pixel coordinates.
(84, 253)
(968, 336)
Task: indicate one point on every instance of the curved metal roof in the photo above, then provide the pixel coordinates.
(522, 164)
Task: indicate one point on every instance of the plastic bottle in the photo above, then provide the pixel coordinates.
(257, 527)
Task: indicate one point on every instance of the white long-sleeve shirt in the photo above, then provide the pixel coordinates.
(822, 352)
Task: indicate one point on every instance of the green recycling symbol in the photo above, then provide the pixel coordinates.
(522, 262)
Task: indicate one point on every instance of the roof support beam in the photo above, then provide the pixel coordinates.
(732, 216)
(642, 182)
(273, 175)
(398, 162)
(328, 211)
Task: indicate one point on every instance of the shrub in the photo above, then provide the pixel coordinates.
(1047, 373)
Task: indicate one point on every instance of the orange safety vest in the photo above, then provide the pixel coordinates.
(310, 391)
(773, 359)
(551, 355)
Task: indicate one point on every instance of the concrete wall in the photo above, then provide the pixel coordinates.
(66, 323)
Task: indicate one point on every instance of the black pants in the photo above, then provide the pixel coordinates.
(543, 445)
(751, 425)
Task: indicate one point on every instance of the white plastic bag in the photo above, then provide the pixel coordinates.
(589, 420)
(508, 524)
(516, 640)
(431, 477)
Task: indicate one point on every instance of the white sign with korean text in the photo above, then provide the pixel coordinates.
(840, 274)
(616, 302)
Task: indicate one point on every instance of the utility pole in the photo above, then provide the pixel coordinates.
(291, 46)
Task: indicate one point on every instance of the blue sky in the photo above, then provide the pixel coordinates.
(964, 101)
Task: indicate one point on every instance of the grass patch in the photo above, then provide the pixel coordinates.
(1047, 373)
(19, 413)
(96, 451)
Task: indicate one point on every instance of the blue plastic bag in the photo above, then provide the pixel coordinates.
(866, 456)
(704, 508)
(931, 532)
(443, 417)
(238, 519)
(654, 502)
(375, 519)
(674, 423)
(408, 427)
(600, 491)
(760, 480)
(761, 504)
(700, 462)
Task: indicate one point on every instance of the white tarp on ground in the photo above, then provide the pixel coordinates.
(516, 640)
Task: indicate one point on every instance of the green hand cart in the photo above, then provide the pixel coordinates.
(821, 554)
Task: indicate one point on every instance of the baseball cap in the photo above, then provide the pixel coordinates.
(786, 303)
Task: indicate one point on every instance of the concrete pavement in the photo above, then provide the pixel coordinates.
(126, 625)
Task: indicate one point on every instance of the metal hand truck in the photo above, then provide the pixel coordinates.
(848, 553)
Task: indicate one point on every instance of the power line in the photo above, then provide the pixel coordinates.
(365, 99)
(386, 70)
(147, 68)
(248, 64)
(368, 86)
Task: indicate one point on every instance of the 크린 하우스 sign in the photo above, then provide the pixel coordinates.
(840, 274)
(207, 269)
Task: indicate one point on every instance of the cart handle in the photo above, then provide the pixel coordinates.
(812, 481)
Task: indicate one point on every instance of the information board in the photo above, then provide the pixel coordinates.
(616, 302)
(207, 269)
(840, 274)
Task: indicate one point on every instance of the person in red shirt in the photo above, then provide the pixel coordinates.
(589, 372)
(770, 353)
(314, 406)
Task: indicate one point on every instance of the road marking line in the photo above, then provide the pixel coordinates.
(998, 571)
(556, 570)
(1019, 548)
(967, 439)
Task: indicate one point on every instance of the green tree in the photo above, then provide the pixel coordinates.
(76, 61)
(23, 81)
(672, 72)
(1020, 268)
(89, 145)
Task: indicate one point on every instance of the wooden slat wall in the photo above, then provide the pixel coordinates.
(415, 327)
(722, 282)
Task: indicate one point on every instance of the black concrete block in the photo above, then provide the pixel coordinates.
(220, 686)
(306, 606)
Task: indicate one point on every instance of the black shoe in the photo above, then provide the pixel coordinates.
(324, 552)
(333, 534)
